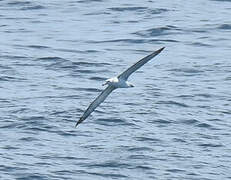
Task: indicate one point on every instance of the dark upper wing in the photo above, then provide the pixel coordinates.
(137, 65)
(103, 95)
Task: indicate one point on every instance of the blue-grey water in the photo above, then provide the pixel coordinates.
(175, 123)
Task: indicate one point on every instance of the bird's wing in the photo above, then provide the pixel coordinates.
(124, 75)
(103, 95)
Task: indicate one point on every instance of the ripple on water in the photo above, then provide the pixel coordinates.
(161, 122)
(158, 31)
(204, 125)
(140, 9)
(110, 121)
(169, 103)
(37, 46)
(121, 9)
(96, 78)
(88, 1)
(148, 139)
(210, 145)
(88, 89)
(187, 71)
(190, 121)
(134, 41)
(108, 164)
(19, 3)
(33, 7)
(198, 44)
(139, 149)
(11, 78)
(58, 64)
(225, 26)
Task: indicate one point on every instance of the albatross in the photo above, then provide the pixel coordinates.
(116, 82)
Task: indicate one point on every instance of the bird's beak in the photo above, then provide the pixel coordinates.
(104, 84)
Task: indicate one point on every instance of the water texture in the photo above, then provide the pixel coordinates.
(175, 123)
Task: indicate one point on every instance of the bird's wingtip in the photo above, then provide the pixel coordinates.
(161, 49)
(78, 122)
(158, 51)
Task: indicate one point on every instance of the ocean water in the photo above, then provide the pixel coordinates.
(175, 122)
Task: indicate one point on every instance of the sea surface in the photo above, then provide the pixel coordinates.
(174, 124)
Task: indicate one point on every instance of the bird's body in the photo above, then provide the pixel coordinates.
(117, 82)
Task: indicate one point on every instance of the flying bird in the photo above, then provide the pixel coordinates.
(116, 82)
